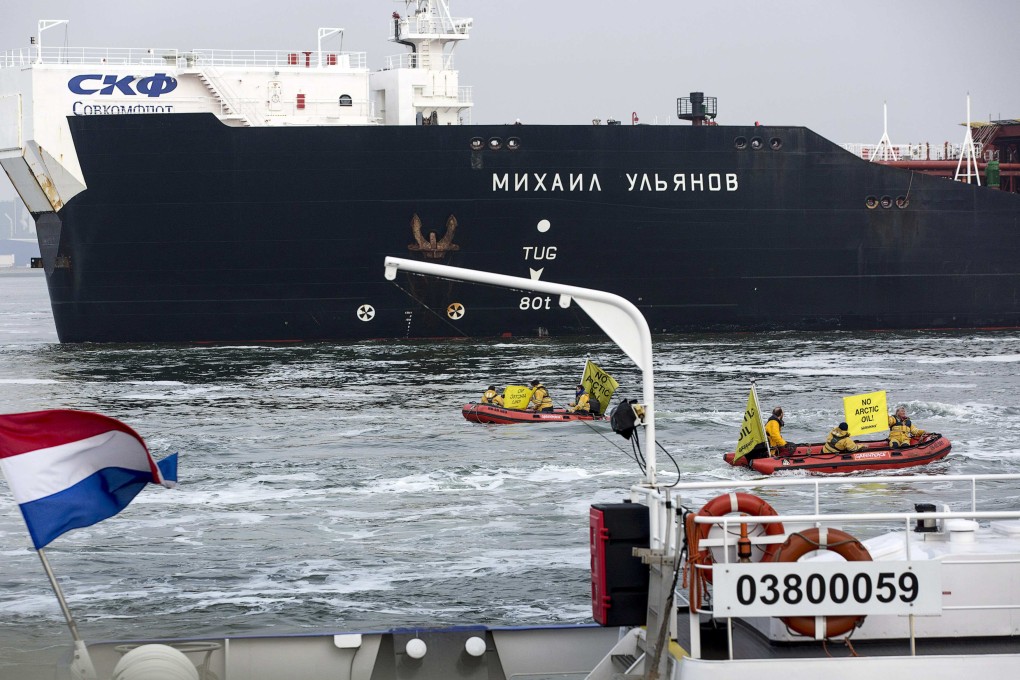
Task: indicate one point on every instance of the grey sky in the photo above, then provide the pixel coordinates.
(826, 65)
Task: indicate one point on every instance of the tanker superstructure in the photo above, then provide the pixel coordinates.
(229, 196)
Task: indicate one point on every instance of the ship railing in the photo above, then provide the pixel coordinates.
(969, 491)
(231, 104)
(432, 26)
(465, 95)
(15, 58)
(172, 58)
(91, 55)
(411, 60)
(909, 152)
(280, 58)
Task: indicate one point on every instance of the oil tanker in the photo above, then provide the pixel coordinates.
(251, 196)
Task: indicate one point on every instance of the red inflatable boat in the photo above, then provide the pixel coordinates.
(877, 456)
(497, 415)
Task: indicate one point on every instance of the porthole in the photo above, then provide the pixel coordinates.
(477, 143)
(495, 144)
(513, 144)
(886, 202)
(871, 202)
(740, 143)
(757, 143)
(902, 202)
(775, 144)
(345, 100)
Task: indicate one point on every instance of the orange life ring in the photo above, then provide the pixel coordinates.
(839, 542)
(729, 503)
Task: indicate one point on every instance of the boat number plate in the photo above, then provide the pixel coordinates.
(827, 588)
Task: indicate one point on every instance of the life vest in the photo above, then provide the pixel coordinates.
(839, 440)
(900, 426)
(901, 430)
(541, 399)
(489, 397)
(774, 432)
(583, 403)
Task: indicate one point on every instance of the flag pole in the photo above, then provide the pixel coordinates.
(81, 664)
(768, 447)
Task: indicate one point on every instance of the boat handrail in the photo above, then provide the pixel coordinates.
(728, 541)
(412, 60)
(819, 482)
(172, 57)
(908, 152)
(832, 517)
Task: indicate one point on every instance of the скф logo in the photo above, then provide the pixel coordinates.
(97, 83)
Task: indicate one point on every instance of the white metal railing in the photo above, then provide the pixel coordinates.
(901, 480)
(731, 523)
(412, 60)
(431, 25)
(192, 58)
(909, 152)
(730, 535)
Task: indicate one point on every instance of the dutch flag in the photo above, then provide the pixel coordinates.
(71, 469)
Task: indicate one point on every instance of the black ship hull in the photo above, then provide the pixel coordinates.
(192, 231)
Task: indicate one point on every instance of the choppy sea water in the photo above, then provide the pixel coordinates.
(336, 487)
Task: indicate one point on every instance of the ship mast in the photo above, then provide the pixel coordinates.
(424, 82)
(884, 149)
(969, 154)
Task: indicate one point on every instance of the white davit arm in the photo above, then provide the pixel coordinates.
(619, 318)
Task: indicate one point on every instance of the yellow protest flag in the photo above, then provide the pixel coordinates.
(752, 432)
(599, 384)
(517, 396)
(866, 413)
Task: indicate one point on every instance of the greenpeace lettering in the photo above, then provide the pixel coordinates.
(97, 83)
(83, 109)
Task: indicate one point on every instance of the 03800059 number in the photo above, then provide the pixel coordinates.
(839, 589)
(827, 588)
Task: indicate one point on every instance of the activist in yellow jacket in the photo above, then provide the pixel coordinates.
(490, 395)
(839, 440)
(773, 429)
(540, 399)
(901, 429)
(582, 402)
